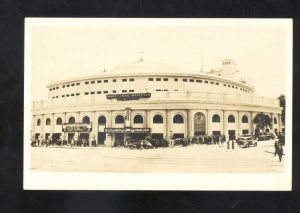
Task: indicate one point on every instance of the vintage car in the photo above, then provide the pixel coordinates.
(246, 141)
(140, 144)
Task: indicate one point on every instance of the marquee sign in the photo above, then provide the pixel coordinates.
(77, 127)
(128, 96)
(127, 130)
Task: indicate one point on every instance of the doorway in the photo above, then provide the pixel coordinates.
(178, 135)
(70, 136)
(101, 138)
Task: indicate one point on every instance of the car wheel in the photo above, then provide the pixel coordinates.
(255, 144)
(131, 147)
(146, 147)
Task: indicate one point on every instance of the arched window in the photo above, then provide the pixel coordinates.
(244, 119)
(58, 121)
(38, 123)
(48, 121)
(158, 119)
(216, 118)
(178, 119)
(275, 121)
(102, 120)
(231, 119)
(86, 120)
(71, 120)
(119, 119)
(138, 119)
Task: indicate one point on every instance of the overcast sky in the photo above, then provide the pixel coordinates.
(62, 52)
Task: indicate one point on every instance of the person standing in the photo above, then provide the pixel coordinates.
(280, 152)
(232, 144)
(228, 145)
(276, 148)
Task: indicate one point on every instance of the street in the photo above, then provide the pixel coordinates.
(191, 159)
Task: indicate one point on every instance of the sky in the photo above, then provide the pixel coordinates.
(63, 52)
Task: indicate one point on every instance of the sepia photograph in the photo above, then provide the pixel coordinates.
(158, 104)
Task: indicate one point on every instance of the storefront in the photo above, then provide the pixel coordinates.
(122, 134)
(77, 130)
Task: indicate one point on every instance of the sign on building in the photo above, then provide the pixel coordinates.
(127, 130)
(77, 127)
(128, 96)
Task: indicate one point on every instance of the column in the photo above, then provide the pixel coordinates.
(94, 128)
(148, 119)
(64, 121)
(77, 120)
(33, 126)
(52, 125)
(224, 123)
(239, 123)
(279, 123)
(189, 123)
(42, 127)
(206, 121)
(168, 123)
(272, 119)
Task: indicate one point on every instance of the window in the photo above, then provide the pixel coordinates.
(99, 81)
(56, 96)
(77, 94)
(192, 80)
(72, 94)
(114, 80)
(92, 82)
(206, 82)
(178, 119)
(150, 79)
(38, 123)
(86, 120)
(50, 89)
(224, 85)
(102, 120)
(98, 92)
(199, 81)
(158, 89)
(166, 79)
(244, 119)
(71, 120)
(124, 90)
(175, 79)
(77, 84)
(228, 85)
(232, 86)
(56, 87)
(131, 90)
(63, 96)
(231, 119)
(217, 83)
(275, 121)
(212, 82)
(63, 86)
(68, 85)
(119, 119)
(184, 80)
(53, 97)
(124, 80)
(72, 85)
(86, 93)
(92, 93)
(158, 79)
(48, 121)
(158, 119)
(105, 81)
(53, 88)
(138, 119)
(131, 79)
(216, 118)
(105, 92)
(86, 82)
(58, 121)
(67, 95)
(114, 91)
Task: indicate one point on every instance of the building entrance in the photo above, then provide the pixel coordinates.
(178, 135)
(56, 137)
(158, 136)
(245, 131)
(119, 137)
(199, 124)
(137, 136)
(85, 136)
(47, 136)
(101, 138)
(36, 136)
(70, 136)
(231, 134)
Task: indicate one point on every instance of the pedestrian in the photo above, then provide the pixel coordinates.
(276, 148)
(232, 144)
(228, 145)
(280, 152)
(141, 145)
(72, 142)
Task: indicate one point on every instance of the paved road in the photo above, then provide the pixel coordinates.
(194, 158)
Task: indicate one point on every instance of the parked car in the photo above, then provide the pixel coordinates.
(137, 144)
(246, 141)
(266, 136)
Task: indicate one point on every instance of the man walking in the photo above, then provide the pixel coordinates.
(280, 152)
(276, 148)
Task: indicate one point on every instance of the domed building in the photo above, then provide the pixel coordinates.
(142, 100)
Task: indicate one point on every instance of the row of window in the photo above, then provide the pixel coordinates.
(138, 119)
(92, 82)
(93, 93)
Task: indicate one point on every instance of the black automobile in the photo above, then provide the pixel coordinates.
(140, 144)
(246, 141)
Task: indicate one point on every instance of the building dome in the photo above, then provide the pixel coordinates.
(140, 67)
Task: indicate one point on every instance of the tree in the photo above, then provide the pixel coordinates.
(263, 121)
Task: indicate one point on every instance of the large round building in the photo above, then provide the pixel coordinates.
(143, 99)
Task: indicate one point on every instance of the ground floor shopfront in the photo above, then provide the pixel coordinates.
(108, 126)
